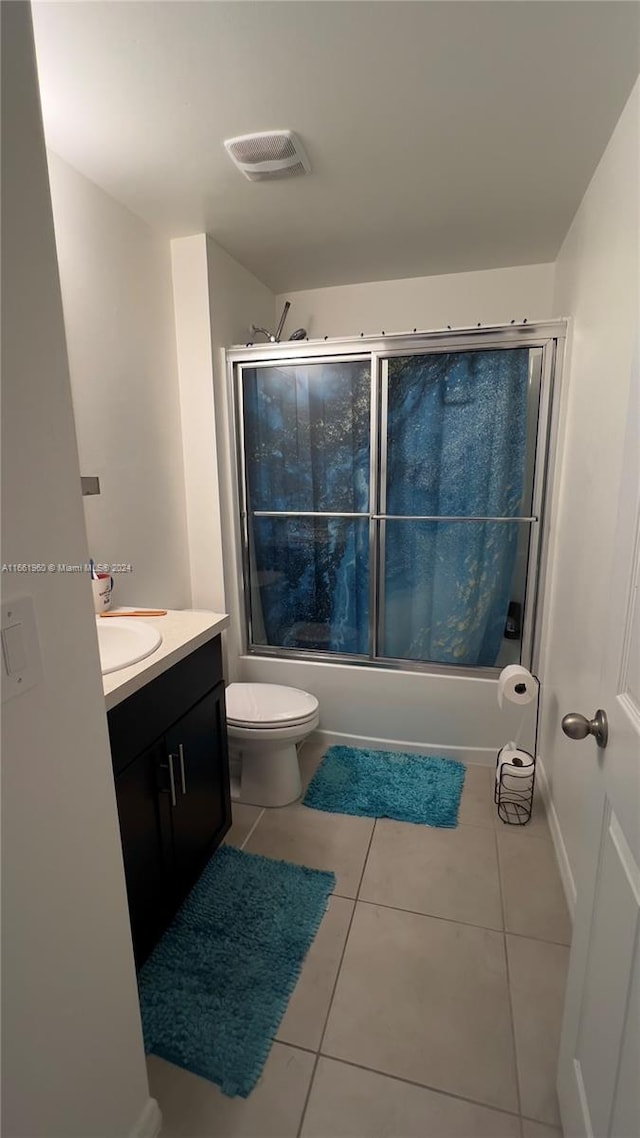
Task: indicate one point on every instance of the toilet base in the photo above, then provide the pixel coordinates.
(266, 778)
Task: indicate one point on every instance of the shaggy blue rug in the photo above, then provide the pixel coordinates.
(216, 986)
(388, 784)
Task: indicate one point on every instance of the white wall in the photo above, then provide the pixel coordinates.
(597, 284)
(115, 275)
(237, 300)
(195, 373)
(73, 1062)
(216, 300)
(494, 296)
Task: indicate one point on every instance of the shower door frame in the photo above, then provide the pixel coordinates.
(548, 337)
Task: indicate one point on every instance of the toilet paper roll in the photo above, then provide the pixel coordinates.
(516, 685)
(513, 763)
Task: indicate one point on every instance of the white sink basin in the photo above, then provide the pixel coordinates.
(123, 641)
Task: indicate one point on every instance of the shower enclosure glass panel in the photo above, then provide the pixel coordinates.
(447, 591)
(307, 471)
(457, 442)
(307, 437)
(457, 434)
(389, 504)
(310, 584)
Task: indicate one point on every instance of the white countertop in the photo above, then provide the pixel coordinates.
(183, 630)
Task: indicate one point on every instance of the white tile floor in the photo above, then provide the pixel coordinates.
(430, 1001)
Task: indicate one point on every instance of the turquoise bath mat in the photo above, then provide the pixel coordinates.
(388, 784)
(216, 986)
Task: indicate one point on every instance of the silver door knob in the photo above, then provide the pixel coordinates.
(577, 726)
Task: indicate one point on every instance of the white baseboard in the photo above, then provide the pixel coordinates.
(149, 1123)
(486, 756)
(562, 858)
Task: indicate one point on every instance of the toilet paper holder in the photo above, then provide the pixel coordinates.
(514, 786)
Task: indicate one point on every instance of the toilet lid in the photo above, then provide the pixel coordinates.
(262, 705)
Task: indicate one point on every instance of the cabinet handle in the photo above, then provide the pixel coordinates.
(181, 755)
(172, 781)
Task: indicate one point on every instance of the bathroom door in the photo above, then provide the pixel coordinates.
(599, 1066)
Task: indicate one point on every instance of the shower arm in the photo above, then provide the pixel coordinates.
(264, 332)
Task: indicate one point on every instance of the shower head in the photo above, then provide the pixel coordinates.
(299, 334)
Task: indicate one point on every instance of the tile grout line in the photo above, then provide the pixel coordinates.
(412, 1083)
(419, 1086)
(508, 973)
(260, 815)
(422, 1086)
(303, 1115)
(496, 829)
(293, 1046)
(455, 920)
(335, 985)
(344, 948)
(430, 916)
(366, 859)
(540, 1122)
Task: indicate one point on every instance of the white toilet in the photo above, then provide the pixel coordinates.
(265, 722)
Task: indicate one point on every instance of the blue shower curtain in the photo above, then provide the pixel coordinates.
(456, 446)
(457, 427)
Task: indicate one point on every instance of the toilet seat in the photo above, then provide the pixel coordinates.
(268, 706)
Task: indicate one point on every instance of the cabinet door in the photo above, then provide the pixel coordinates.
(197, 745)
(142, 793)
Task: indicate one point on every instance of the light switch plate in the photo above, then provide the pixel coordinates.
(21, 659)
(13, 649)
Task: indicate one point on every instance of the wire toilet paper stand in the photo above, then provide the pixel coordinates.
(514, 786)
(516, 776)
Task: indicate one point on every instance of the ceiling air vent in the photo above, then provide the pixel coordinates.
(270, 154)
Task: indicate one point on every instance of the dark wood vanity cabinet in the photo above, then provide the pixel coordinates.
(169, 752)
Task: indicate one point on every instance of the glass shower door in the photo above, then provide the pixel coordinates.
(307, 486)
(457, 442)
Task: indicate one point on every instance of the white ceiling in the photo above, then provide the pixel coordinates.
(443, 137)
